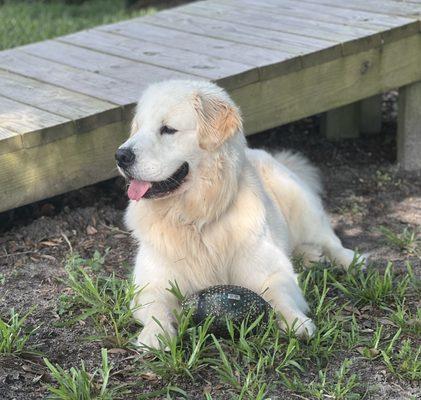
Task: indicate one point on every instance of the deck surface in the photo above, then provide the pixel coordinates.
(65, 104)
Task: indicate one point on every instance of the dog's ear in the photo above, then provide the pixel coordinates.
(134, 126)
(217, 121)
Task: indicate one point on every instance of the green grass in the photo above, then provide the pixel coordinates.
(23, 22)
(409, 320)
(78, 383)
(257, 360)
(184, 354)
(372, 286)
(406, 242)
(102, 298)
(341, 385)
(14, 335)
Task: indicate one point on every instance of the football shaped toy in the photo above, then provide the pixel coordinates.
(226, 302)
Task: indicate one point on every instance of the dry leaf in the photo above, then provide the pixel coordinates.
(28, 368)
(386, 321)
(90, 230)
(149, 376)
(37, 378)
(366, 352)
(352, 310)
(207, 389)
(117, 350)
(48, 243)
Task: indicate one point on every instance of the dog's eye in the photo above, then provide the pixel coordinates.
(166, 130)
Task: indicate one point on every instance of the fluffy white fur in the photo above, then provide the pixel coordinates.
(236, 220)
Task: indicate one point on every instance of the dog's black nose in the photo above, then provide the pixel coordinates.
(125, 157)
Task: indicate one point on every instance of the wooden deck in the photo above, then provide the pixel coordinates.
(66, 103)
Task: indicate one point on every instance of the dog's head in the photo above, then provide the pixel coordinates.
(176, 126)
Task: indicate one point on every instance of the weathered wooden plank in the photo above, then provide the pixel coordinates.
(91, 84)
(312, 50)
(10, 141)
(32, 174)
(232, 31)
(333, 84)
(243, 53)
(196, 64)
(393, 27)
(324, 12)
(24, 119)
(269, 21)
(341, 122)
(371, 115)
(408, 1)
(100, 63)
(409, 127)
(352, 39)
(376, 6)
(87, 112)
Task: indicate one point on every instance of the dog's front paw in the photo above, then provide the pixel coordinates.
(304, 328)
(148, 337)
(347, 257)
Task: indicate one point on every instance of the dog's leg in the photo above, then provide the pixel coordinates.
(317, 233)
(309, 252)
(331, 245)
(268, 272)
(336, 252)
(301, 205)
(153, 306)
(284, 294)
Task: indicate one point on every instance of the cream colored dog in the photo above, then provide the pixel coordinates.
(207, 210)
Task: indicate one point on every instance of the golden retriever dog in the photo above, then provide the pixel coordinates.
(207, 210)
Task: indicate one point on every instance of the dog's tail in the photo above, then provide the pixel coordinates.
(302, 167)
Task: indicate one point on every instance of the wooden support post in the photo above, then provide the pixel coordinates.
(409, 127)
(341, 123)
(371, 115)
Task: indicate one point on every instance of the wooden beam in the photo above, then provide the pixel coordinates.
(409, 127)
(371, 115)
(34, 173)
(330, 85)
(341, 123)
(31, 124)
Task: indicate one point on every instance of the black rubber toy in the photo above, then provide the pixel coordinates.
(226, 302)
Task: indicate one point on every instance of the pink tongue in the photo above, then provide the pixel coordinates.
(137, 189)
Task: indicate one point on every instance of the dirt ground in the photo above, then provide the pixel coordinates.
(363, 190)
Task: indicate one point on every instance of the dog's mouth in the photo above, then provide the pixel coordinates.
(151, 190)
